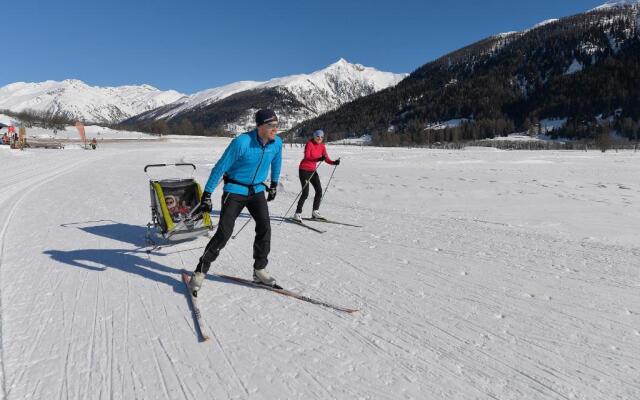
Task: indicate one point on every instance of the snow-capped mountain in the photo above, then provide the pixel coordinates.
(295, 97)
(617, 3)
(76, 99)
(335, 85)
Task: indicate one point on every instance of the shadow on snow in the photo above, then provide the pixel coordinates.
(129, 261)
(126, 233)
(132, 261)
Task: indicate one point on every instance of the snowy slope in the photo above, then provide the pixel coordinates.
(318, 92)
(321, 90)
(206, 97)
(480, 274)
(76, 99)
(617, 3)
(339, 83)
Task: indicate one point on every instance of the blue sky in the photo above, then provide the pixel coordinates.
(193, 45)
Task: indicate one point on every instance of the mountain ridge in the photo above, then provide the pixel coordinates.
(229, 108)
(581, 67)
(74, 98)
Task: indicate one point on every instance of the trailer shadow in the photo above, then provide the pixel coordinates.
(126, 233)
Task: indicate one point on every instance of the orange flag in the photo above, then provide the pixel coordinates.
(80, 128)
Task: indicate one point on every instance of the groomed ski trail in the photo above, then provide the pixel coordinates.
(469, 297)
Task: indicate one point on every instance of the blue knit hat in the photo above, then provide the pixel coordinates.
(318, 133)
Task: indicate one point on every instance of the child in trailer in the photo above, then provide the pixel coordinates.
(184, 209)
(172, 206)
(314, 151)
(177, 206)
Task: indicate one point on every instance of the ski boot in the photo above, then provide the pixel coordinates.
(316, 215)
(196, 283)
(297, 217)
(262, 277)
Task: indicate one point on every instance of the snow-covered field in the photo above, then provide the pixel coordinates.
(91, 131)
(480, 274)
(70, 133)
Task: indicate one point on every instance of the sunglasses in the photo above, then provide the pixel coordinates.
(271, 125)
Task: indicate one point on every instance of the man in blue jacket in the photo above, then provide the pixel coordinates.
(244, 167)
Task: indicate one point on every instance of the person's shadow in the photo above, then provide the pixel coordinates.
(129, 261)
(125, 260)
(132, 261)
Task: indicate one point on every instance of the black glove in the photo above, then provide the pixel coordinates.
(273, 189)
(321, 159)
(336, 162)
(205, 203)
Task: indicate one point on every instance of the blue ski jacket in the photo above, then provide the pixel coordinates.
(247, 160)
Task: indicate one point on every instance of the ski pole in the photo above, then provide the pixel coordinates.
(328, 183)
(240, 230)
(300, 192)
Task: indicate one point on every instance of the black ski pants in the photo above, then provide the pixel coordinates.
(315, 181)
(232, 205)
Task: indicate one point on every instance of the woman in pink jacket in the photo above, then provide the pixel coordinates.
(314, 152)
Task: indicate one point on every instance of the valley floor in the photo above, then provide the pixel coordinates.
(479, 274)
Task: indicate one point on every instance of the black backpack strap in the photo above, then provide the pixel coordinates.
(251, 187)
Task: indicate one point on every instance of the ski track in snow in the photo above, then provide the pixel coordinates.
(478, 274)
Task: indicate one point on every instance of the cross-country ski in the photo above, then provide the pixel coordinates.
(328, 221)
(304, 225)
(286, 292)
(193, 303)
